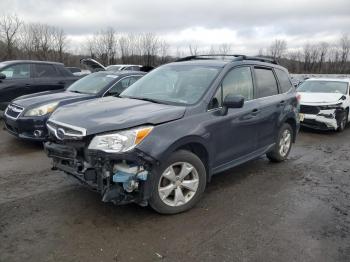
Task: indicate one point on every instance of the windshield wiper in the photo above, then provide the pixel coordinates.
(75, 91)
(146, 99)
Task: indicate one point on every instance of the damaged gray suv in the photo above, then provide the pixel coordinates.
(163, 139)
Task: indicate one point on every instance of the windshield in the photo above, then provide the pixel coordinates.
(113, 68)
(2, 64)
(92, 84)
(180, 84)
(323, 87)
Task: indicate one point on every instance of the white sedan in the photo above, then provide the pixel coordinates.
(324, 103)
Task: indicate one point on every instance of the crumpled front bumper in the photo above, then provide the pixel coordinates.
(97, 170)
(324, 120)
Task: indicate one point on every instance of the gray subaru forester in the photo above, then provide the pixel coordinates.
(163, 139)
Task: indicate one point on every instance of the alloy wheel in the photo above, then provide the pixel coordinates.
(285, 142)
(178, 184)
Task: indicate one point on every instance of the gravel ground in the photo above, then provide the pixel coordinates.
(294, 211)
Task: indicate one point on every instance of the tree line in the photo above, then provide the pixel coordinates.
(20, 40)
(313, 57)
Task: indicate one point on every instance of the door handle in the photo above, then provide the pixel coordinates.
(61, 82)
(27, 85)
(255, 112)
(282, 102)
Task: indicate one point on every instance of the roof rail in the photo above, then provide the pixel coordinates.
(207, 57)
(234, 57)
(262, 59)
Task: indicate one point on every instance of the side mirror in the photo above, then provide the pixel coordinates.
(232, 101)
(2, 76)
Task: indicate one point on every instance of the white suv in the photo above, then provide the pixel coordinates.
(324, 103)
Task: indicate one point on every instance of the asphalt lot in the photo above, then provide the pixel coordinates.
(298, 210)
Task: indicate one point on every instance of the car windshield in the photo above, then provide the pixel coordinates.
(92, 84)
(2, 64)
(113, 67)
(178, 84)
(323, 87)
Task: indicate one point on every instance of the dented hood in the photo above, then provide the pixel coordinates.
(111, 113)
(319, 98)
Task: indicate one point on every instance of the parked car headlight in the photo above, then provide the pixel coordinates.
(42, 110)
(122, 141)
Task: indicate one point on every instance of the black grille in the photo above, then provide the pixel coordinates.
(313, 110)
(13, 111)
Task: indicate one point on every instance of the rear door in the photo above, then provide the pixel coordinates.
(271, 104)
(47, 77)
(18, 82)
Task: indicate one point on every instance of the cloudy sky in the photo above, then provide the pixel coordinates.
(247, 25)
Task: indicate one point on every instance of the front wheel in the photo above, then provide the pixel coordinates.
(178, 183)
(343, 121)
(283, 144)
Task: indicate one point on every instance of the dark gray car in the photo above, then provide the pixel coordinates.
(170, 132)
(23, 77)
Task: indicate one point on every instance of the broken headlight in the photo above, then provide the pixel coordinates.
(120, 141)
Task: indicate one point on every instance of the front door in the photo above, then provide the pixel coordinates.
(17, 83)
(234, 135)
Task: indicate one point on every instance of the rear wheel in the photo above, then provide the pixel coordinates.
(283, 144)
(178, 183)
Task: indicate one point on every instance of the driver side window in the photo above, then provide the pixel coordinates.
(19, 71)
(237, 82)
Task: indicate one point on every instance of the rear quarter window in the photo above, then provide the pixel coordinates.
(283, 78)
(45, 70)
(266, 83)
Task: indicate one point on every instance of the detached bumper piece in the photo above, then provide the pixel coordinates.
(119, 178)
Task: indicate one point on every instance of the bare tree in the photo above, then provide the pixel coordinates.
(163, 51)
(103, 45)
(344, 52)
(224, 49)
(9, 27)
(323, 50)
(278, 48)
(193, 49)
(59, 43)
(150, 47)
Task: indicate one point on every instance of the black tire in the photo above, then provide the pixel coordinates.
(343, 121)
(179, 156)
(275, 155)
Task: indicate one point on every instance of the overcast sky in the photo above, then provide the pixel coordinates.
(248, 25)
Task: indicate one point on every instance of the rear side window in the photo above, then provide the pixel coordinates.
(19, 71)
(45, 70)
(284, 81)
(266, 83)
